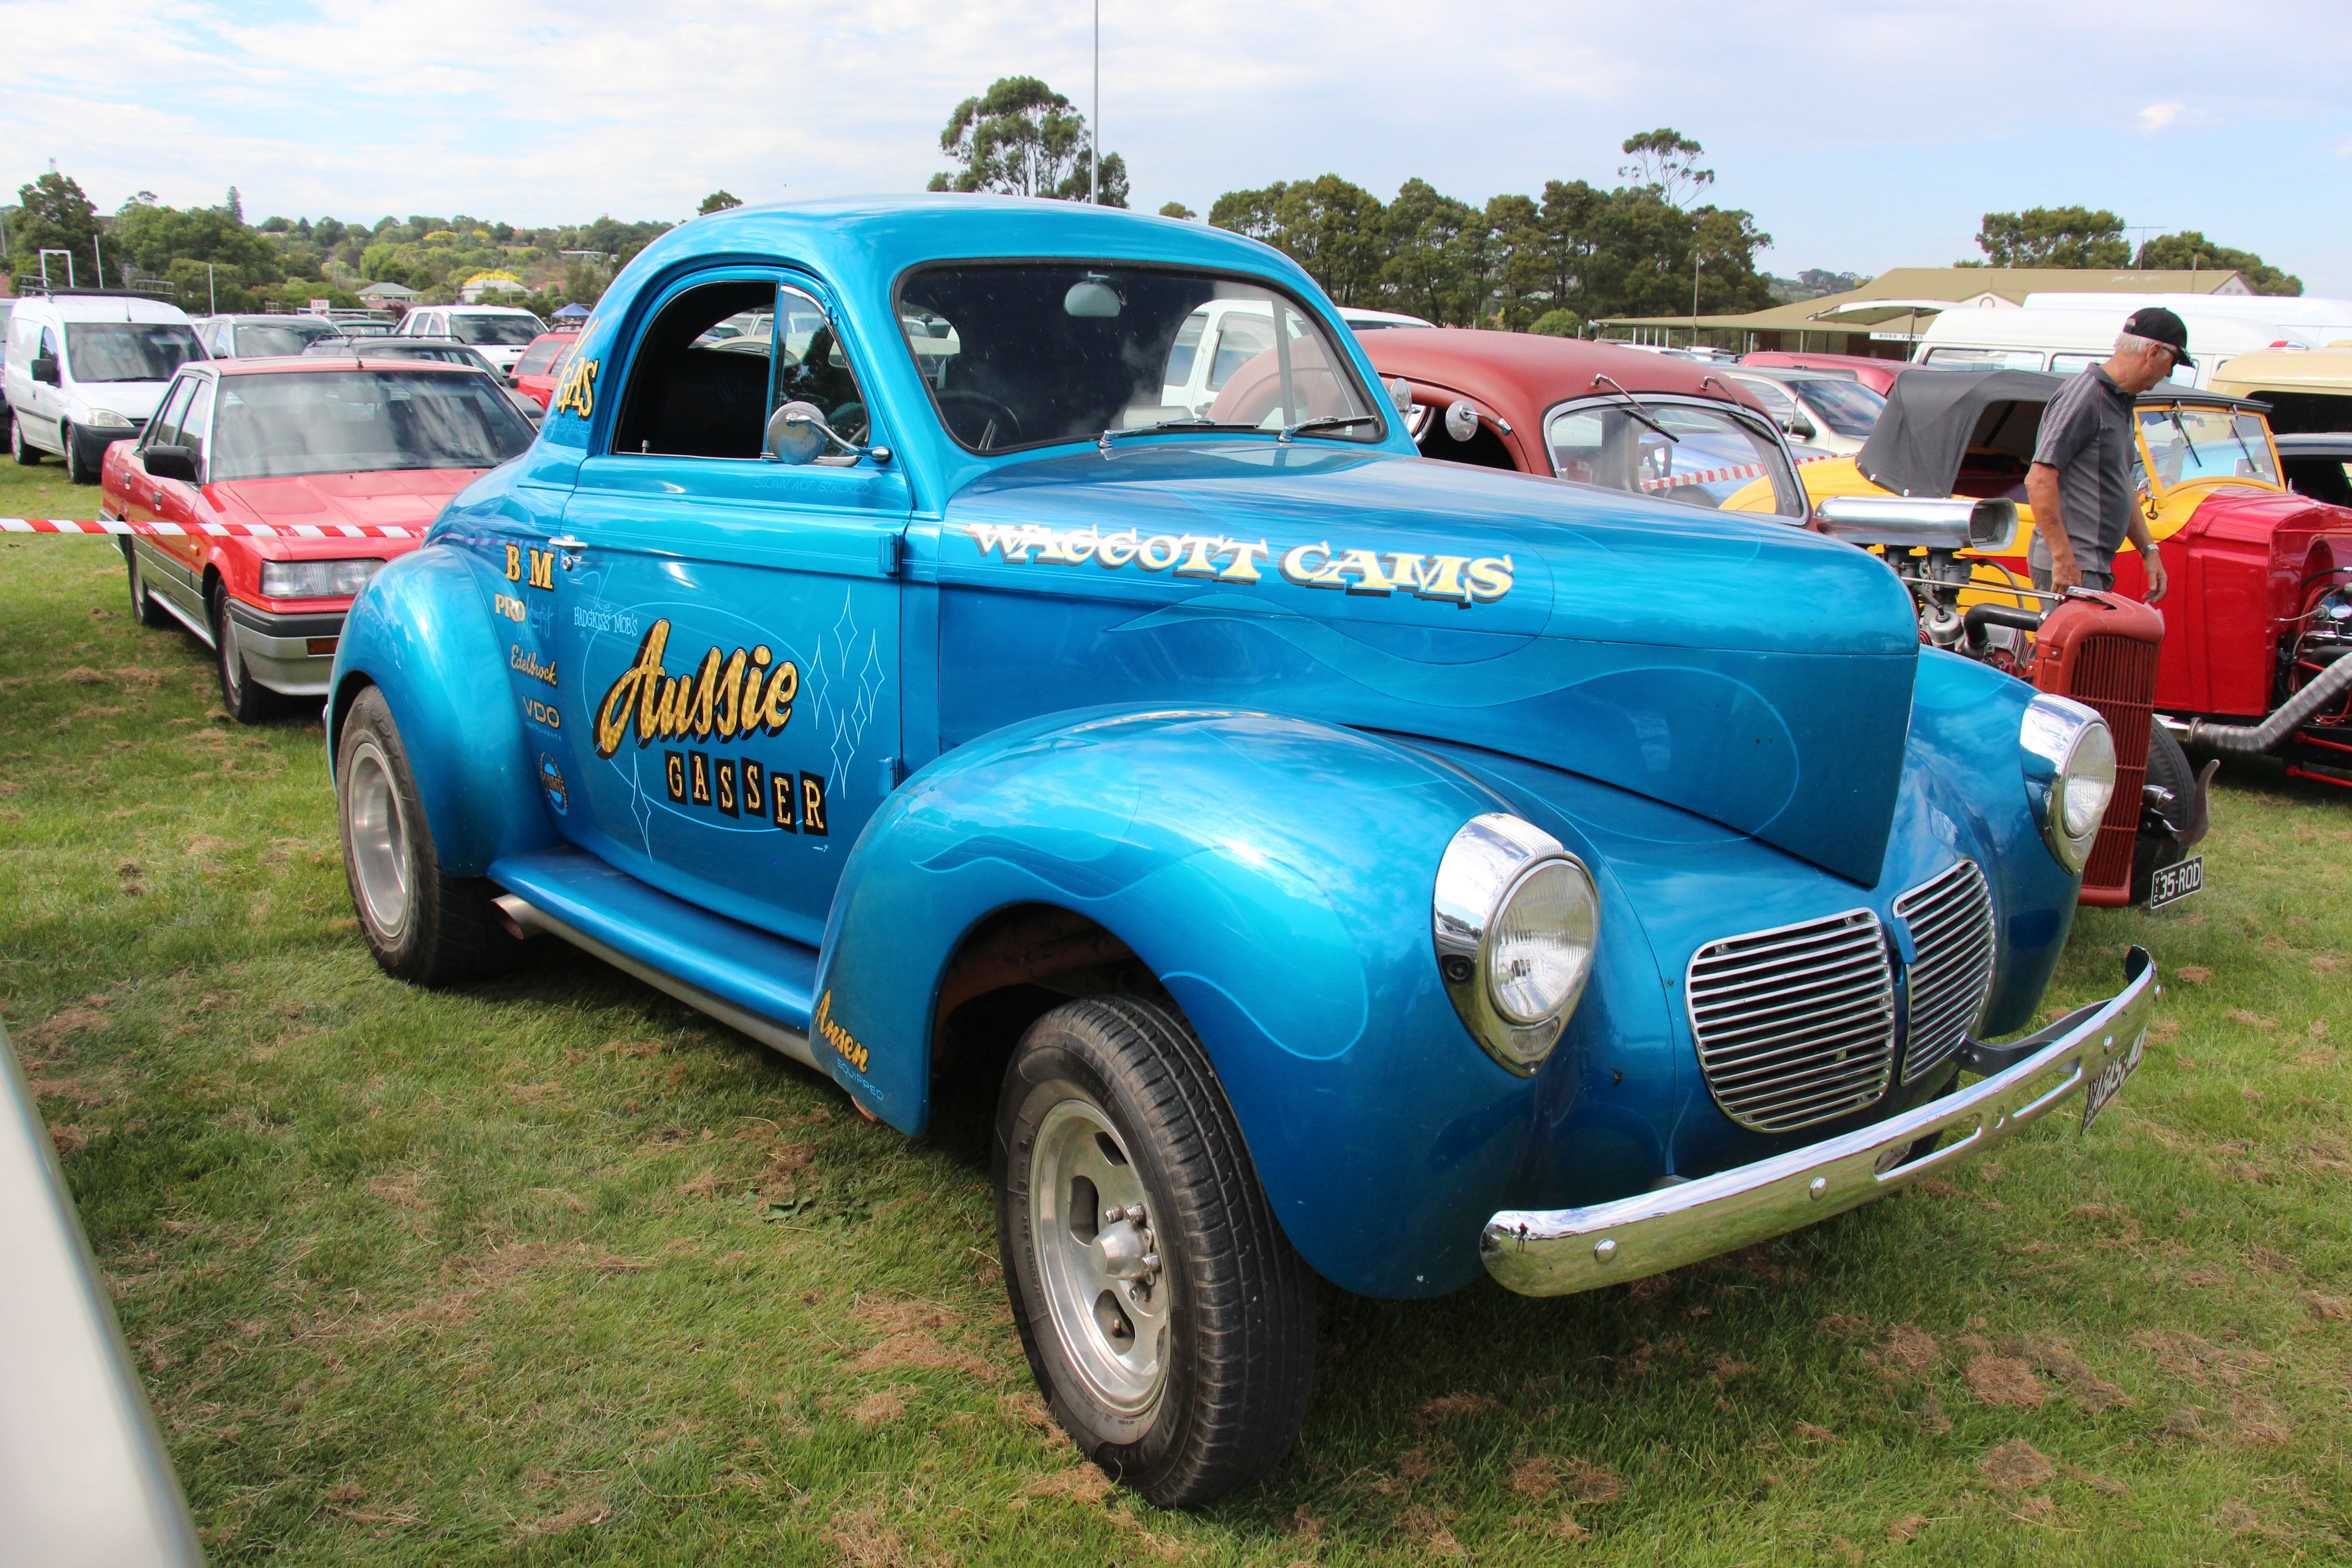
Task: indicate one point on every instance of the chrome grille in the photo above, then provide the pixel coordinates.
(1796, 1025)
(1951, 922)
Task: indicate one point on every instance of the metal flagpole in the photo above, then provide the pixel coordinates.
(1094, 142)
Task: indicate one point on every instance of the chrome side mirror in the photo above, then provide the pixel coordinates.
(797, 434)
(1400, 393)
(1460, 419)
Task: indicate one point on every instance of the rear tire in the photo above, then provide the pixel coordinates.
(143, 607)
(23, 451)
(422, 926)
(246, 700)
(2168, 768)
(1189, 1380)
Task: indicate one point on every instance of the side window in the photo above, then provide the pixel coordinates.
(197, 429)
(1184, 350)
(709, 370)
(164, 430)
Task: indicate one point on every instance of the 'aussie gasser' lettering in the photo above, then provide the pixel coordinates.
(746, 790)
(727, 695)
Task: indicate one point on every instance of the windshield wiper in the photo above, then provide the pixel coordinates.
(1640, 410)
(2185, 439)
(1191, 422)
(1325, 422)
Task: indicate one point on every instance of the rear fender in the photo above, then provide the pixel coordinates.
(422, 632)
(1276, 875)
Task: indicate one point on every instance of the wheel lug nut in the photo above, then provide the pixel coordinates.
(1151, 1263)
(1135, 1213)
(1112, 1216)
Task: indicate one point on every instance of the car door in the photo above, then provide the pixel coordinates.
(139, 498)
(179, 557)
(717, 709)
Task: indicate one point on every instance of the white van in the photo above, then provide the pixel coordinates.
(85, 371)
(1223, 335)
(2067, 341)
(499, 332)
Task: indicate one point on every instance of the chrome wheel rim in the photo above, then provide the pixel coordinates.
(1104, 1289)
(377, 835)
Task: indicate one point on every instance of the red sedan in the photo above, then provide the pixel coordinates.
(287, 443)
(1878, 374)
(537, 373)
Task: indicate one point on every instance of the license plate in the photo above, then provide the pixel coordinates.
(2102, 1089)
(2173, 883)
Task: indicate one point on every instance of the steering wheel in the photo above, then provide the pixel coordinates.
(969, 413)
(852, 420)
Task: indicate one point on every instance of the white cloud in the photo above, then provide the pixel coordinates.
(2157, 117)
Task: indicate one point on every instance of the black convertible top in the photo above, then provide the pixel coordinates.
(1935, 417)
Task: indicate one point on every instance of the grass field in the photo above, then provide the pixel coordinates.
(553, 1270)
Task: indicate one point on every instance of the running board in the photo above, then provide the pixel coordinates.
(748, 979)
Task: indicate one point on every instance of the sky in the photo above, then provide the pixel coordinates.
(1860, 136)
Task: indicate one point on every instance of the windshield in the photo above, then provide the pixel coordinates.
(362, 421)
(1025, 353)
(256, 339)
(127, 351)
(2186, 442)
(1677, 452)
(1848, 407)
(494, 332)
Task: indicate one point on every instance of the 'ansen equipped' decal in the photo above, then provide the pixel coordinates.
(729, 695)
(1454, 579)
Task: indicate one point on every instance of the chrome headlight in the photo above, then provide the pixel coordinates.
(1514, 920)
(316, 579)
(2070, 774)
(108, 419)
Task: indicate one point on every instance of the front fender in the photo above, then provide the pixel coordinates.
(1276, 874)
(421, 631)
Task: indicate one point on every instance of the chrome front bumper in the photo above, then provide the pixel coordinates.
(1557, 1252)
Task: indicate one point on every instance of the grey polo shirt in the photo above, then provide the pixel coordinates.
(2086, 435)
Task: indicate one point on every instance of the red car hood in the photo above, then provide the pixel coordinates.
(404, 498)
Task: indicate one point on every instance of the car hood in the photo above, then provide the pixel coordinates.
(400, 497)
(1729, 664)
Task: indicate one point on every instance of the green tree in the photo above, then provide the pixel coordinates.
(2189, 250)
(1666, 162)
(208, 255)
(1021, 138)
(53, 214)
(1440, 255)
(716, 202)
(1176, 209)
(1333, 229)
(1557, 324)
(2055, 236)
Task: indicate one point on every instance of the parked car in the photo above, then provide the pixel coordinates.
(1827, 413)
(2065, 342)
(439, 350)
(2317, 464)
(536, 372)
(85, 370)
(2250, 655)
(88, 1483)
(1343, 863)
(293, 443)
(2309, 392)
(257, 337)
(500, 331)
(1594, 414)
(1224, 334)
(1878, 374)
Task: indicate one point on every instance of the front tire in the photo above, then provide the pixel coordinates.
(77, 470)
(246, 700)
(23, 451)
(1169, 1322)
(422, 925)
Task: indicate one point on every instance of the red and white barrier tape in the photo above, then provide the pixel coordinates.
(212, 530)
(1720, 475)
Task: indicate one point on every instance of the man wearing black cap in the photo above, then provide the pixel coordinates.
(2080, 486)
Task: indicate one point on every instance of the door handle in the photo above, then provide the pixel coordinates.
(158, 500)
(566, 542)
